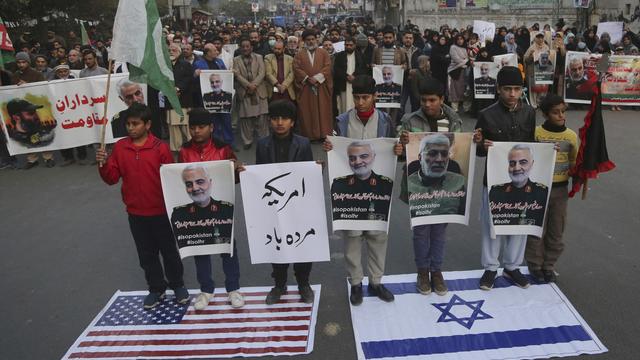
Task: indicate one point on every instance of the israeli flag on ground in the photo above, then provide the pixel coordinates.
(468, 323)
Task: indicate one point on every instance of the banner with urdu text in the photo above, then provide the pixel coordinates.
(59, 114)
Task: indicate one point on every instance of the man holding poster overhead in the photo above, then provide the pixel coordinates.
(365, 122)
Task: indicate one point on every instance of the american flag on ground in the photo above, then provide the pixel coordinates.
(124, 330)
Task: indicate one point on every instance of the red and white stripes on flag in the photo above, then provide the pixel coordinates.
(123, 330)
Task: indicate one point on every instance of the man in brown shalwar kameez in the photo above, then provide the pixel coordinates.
(314, 87)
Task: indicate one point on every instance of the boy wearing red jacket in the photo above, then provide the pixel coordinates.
(204, 147)
(137, 159)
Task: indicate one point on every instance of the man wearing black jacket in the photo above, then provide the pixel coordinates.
(183, 77)
(347, 65)
(509, 119)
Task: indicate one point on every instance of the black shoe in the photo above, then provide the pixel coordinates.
(153, 299)
(274, 295)
(49, 163)
(381, 292)
(549, 276)
(516, 276)
(487, 279)
(247, 146)
(306, 294)
(356, 295)
(538, 275)
(29, 165)
(182, 295)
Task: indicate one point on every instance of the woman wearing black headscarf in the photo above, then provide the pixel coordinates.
(440, 59)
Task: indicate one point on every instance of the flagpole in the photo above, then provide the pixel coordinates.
(585, 186)
(106, 103)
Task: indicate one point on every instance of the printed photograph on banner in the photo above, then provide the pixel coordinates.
(580, 76)
(199, 198)
(519, 176)
(544, 66)
(505, 60)
(484, 79)
(361, 174)
(129, 92)
(284, 210)
(621, 83)
(440, 169)
(388, 85)
(217, 90)
(56, 115)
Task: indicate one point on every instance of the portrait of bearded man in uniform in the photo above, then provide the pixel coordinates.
(388, 91)
(217, 100)
(521, 201)
(205, 221)
(366, 194)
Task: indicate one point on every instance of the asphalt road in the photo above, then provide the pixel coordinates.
(66, 248)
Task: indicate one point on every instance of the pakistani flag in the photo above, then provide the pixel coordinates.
(137, 40)
(6, 47)
(85, 36)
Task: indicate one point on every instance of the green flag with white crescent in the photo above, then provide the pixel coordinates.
(6, 47)
(137, 40)
(85, 36)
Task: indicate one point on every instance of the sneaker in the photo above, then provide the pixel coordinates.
(422, 283)
(153, 299)
(202, 300)
(274, 295)
(439, 286)
(67, 162)
(516, 276)
(49, 163)
(487, 279)
(306, 294)
(356, 295)
(381, 292)
(537, 275)
(549, 276)
(236, 299)
(182, 295)
(29, 165)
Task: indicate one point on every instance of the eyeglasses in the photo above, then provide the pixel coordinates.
(435, 153)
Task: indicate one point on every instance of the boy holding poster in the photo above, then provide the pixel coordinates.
(204, 147)
(364, 121)
(285, 146)
(137, 159)
(428, 240)
(542, 253)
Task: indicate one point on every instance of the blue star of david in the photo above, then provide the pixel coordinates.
(467, 322)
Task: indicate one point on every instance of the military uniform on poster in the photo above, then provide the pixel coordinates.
(510, 205)
(355, 199)
(445, 195)
(209, 225)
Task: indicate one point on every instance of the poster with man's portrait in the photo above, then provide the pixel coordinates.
(519, 177)
(484, 79)
(217, 90)
(544, 66)
(361, 174)
(200, 198)
(580, 76)
(388, 85)
(505, 60)
(440, 168)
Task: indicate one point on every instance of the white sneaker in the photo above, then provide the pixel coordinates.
(236, 299)
(202, 300)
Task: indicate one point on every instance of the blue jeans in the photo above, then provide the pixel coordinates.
(428, 246)
(230, 266)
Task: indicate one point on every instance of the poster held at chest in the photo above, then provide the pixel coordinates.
(285, 212)
(60, 114)
(440, 169)
(544, 65)
(580, 76)
(388, 85)
(484, 79)
(200, 198)
(217, 90)
(519, 177)
(361, 174)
